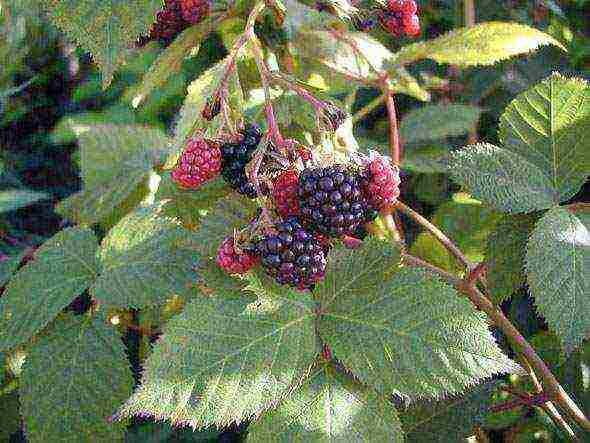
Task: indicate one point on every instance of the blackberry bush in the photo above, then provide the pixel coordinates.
(362, 314)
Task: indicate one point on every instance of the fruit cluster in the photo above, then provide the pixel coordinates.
(175, 17)
(312, 204)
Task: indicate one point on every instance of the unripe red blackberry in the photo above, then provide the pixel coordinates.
(193, 11)
(380, 182)
(234, 158)
(411, 25)
(293, 255)
(284, 193)
(199, 162)
(233, 262)
(169, 23)
(332, 201)
(407, 7)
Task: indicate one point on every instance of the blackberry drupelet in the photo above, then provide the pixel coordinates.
(234, 158)
(284, 193)
(331, 200)
(293, 256)
(199, 162)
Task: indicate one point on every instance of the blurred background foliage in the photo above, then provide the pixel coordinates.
(46, 84)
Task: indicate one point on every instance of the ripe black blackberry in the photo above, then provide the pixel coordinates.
(234, 158)
(293, 256)
(332, 201)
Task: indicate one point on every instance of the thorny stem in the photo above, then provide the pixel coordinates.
(280, 79)
(394, 143)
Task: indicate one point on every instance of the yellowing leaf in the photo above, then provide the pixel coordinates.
(483, 44)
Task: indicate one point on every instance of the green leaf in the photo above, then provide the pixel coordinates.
(169, 62)
(75, 376)
(64, 267)
(199, 91)
(232, 212)
(549, 125)
(404, 332)
(505, 254)
(482, 44)
(329, 407)
(426, 160)
(8, 266)
(448, 420)
(435, 121)
(146, 259)
(115, 162)
(105, 28)
(9, 416)
(338, 55)
(558, 270)
(223, 361)
(188, 205)
(17, 198)
(502, 178)
(111, 151)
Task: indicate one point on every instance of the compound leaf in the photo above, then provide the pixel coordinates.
(482, 44)
(502, 178)
(558, 272)
(404, 332)
(63, 268)
(224, 360)
(146, 258)
(329, 407)
(549, 125)
(505, 254)
(74, 378)
(436, 121)
(105, 28)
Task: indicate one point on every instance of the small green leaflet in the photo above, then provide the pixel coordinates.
(549, 126)
(146, 259)
(232, 212)
(403, 331)
(74, 378)
(329, 407)
(223, 360)
(558, 272)
(505, 255)
(106, 28)
(17, 198)
(482, 44)
(436, 121)
(64, 266)
(502, 178)
(186, 204)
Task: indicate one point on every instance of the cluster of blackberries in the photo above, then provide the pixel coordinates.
(203, 160)
(335, 201)
(399, 17)
(175, 17)
(314, 206)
